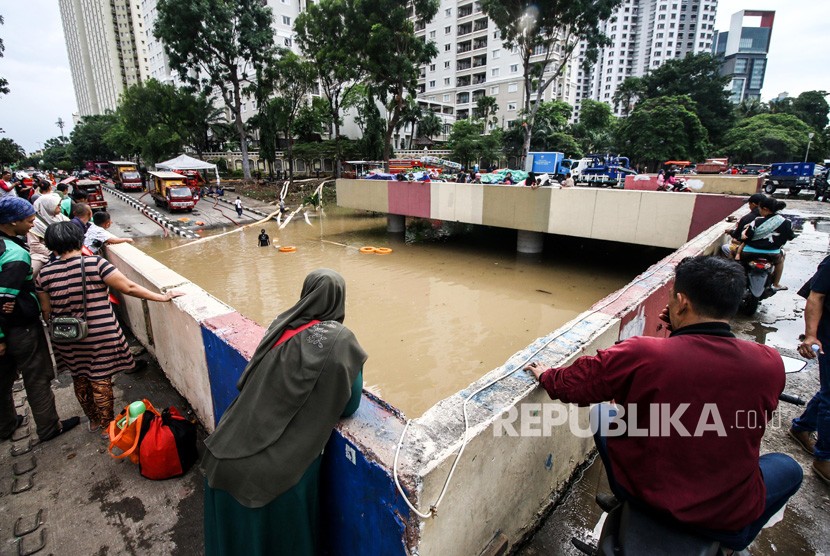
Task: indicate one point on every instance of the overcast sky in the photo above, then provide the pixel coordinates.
(37, 67)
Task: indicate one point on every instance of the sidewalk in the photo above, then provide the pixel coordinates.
(88, 502)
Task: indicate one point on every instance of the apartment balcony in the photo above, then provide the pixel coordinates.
(464, 64)
(463, 47)
(463, 81)
(465, 29)
(480, 43)
(480, 24)
(462, 98)
(479, 93)
(462, 115)
(479, 78)
(480, 60)
(420, 26)
(465, 10)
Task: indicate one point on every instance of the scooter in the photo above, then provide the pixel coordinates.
(631, 530)
(758, 283)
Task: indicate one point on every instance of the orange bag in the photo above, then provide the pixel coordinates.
(126, 439)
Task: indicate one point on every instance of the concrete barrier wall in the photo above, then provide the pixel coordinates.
(702, 183)
(630, 216)
(501, 485)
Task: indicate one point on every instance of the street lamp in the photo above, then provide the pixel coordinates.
(810, 140)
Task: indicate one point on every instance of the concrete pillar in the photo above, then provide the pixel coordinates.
(395, 223)
(529, 242)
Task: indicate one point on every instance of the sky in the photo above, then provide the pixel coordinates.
(37, 68)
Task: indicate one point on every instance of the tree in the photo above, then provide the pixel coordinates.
(430, 125)
(594, 131)
(750, 107)
(410, 115)
(391, 54)
(469, 144)
(546, 33)
(768, 138)
(811, 108)
(550, 133)
(219, 45)
(663, 128)
(324, 35)
(4, 83)
(699, 78)
(628, 93)
(201, 119)
(486, 109)
(10, 152)
(88, 139)
(56, 154)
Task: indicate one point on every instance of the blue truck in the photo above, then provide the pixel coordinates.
(552, 163)
(605, 170)
(793, 176)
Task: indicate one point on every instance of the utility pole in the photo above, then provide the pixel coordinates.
(60, 123)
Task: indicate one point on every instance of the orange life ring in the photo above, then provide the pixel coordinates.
(287, 249)
(367, 250)
(382, 250)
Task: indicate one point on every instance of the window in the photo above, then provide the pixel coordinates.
(447, 65)
(287, 41)
(447, 47)
(494, 90)
(448, 12)
(497, 53)
(432, 67)
(514, 68)
(432, 84)
(446, 98)
(512, 87)
(494, 72)
(432, 34)
(286, 20)
(740, 65)
(511, 106)
(496, 34)
(446, 81)
(448, 29)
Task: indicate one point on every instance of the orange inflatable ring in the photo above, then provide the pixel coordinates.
(382, 250)
(367, 250)
(287, 249)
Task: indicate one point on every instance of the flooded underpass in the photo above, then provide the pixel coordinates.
(450, 303)
(778, 323)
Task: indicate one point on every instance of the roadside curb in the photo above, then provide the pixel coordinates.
(152, 214)
(229, 203)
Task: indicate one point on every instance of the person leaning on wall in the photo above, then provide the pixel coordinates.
(262, 464)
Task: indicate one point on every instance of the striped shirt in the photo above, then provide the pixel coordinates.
(104, 351)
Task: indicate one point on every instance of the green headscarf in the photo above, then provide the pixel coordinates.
(290, 398)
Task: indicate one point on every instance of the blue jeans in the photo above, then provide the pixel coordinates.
(782, 478)
(816, 417)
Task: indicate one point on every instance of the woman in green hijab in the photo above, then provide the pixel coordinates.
(262, 463)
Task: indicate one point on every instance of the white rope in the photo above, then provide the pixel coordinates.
(433, 509)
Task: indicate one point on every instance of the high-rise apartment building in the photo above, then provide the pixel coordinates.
(107, 48)
(644, 35)
(472, 62)
(743, 50)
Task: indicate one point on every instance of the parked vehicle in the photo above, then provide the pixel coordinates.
(605, 170)
(758, 282)
(793, 176)
(170, 190)
(125, 176)
(98, 167)
(822, 185)
(552, 163)
(195, 181)
(95, 194)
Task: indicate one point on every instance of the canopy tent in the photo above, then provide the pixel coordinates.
(184, 162)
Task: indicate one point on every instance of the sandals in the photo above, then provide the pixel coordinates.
(779, 288)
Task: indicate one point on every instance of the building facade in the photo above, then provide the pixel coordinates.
(644, 35)
(744, 50)
(107, 48)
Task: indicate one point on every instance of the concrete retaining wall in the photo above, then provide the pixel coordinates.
(702, 183)
(640, 217)
(501, 485)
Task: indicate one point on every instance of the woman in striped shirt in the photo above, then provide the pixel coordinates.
(104, 352)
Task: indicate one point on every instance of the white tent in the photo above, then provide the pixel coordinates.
(184, 162)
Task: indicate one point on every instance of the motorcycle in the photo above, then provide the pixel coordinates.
(758, 283)
(630, 530)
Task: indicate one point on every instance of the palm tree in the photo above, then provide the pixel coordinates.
(487, 108)
(430, 125)
(751, 107)
(410, 114)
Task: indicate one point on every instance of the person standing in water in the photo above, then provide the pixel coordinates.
(262, 464)
(264, 240)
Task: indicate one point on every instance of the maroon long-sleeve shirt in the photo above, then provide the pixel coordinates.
(710, 479)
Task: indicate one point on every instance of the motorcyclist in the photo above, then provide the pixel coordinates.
(766, 236)
(729, 249)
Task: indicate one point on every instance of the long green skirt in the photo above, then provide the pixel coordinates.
(286, 526)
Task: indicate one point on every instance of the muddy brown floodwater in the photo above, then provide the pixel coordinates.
(450, 303)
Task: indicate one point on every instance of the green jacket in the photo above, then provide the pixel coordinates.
(16, 284)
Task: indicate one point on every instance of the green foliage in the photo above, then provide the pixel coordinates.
(663, 128)
(219, 45)
(469, 145)
(390, 53)
(56, 154)
(750, 107)
(312, 119)
(10, 152)
(4, 83)
(554, 28)
(595, 130)
(628, 93)
(430, 125)
(88, 141)
(812, 108)
(768, 138)
(486, 109)
(697, 77)
(550, 133)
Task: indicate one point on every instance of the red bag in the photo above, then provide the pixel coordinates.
(167, 445)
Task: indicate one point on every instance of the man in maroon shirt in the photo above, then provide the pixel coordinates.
(691, 409)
